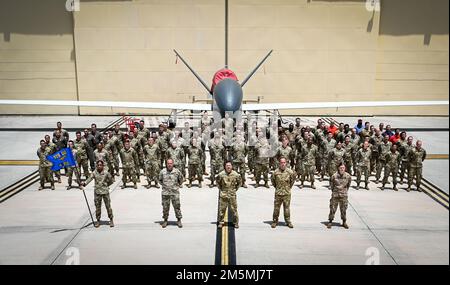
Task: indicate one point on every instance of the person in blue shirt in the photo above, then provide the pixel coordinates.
(359, 127)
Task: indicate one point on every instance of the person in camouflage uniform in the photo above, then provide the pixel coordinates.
(176, 153)
(300, 142)
(383, 149)
(348, 148)
(335, 157)
(129, 159)
(119, 135)
(238, 154)
(101, 154)
(262, 150)
(107, 146)
(71, 170)
(393, 159)
(82, 146)
(103, 179)
(136, 144)
(171, 180)
(416, 157)
(45, 172)
(309, 157)
(60, 142)
(228, 182)
(252, 141)
(217, 153)
(354, 139)
(329, 145)
(113, 145)
(340, 183)
(375, 141)
(285, 151)
(363, 165)
(195, 164)
(163, 142)
(283, 178)
(405, 148)
(151, 160)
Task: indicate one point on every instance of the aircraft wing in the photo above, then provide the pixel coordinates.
(116, 104)
(320, 105)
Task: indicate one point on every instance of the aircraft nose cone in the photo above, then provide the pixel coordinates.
(228, 95)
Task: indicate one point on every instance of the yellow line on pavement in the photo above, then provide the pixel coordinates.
(19, 162)
(225, 240)
(437, 156)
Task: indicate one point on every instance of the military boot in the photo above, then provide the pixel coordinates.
(344, 224)
(123, 186)
(274, 224)
(164, 224)
(41, 187)
(408, 189)
(329, 225)
(300, 186)
(68, 187)
(236, 226)
(135, 186)
(212, 185)
(257, 185)
(220, 225)
(367, 186)
(418, 188)
(290, 225)
(312, 186)
(157, 185)
(111, 223)
(53, 187)
(179, 224)
(382, 187)
(189, 184)
(395, 187)
(97, 224)
(199, 184)
(357, 186)
(266, 184)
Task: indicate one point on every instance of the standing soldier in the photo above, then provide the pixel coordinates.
(329, 145)
(82, 147)
(62, 131)
(152, 162)
(416, 157)
(299, 162)
(228, 182)
(163, 142)
(60, 142)
(262, 151)
(70, 170)
(309, 157)
(129, 161)
(171, 180)
(283, 178)
(252, 140)
(195, 163)
(45, 172)
(336, 157)
(285, 151)
(340, 183)
(114, 146)
(89, 138)
(143, 132)
(238, 154)
(354, 138)
(107, 145)
(392, 164)
(376, 141)
(119, 135)
(405, 148)
(348, 148)
(363, 165)
(384, 148)
(101, 154)
(136, 144)
(176, 153)
(217, 153)
(103, 180)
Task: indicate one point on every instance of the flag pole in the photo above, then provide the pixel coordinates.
(77, 173)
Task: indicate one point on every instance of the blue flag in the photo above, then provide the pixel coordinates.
(62, 158)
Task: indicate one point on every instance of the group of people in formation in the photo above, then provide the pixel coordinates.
(237, 148)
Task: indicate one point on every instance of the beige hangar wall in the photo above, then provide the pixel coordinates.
(324, 50)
